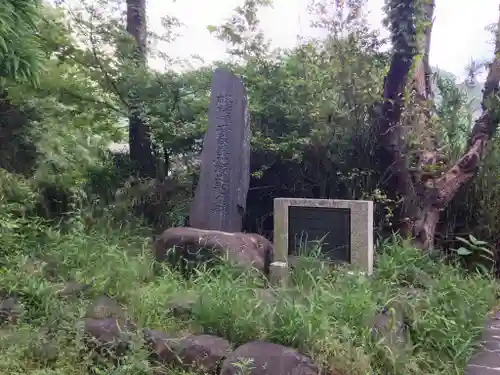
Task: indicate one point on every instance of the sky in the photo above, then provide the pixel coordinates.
(458, 35)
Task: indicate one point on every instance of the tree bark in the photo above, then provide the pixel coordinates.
(422, 154)
(425, 195)
(141, 150)
(392, 127)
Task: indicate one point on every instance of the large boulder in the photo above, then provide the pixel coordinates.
(241, 249)
(200, 354)
(107, 328)
(108, 336)
(265, 358)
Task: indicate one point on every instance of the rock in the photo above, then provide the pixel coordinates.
(242, 249)
(391, 325)
(182, 306)
(390, 329)
(107, 327)
(264, 358)
(202, 354)
(105, 307)
(10, 310)
(72, 288)
(110, 334)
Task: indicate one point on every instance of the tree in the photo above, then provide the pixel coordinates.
(243, 32)
(424, 187)
(141, 150)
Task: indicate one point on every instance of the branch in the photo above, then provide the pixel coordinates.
(108, 79)
(484, 128)
(93, 100)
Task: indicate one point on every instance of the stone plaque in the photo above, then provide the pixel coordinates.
(345, 226)
(328, 228)
(220, 196)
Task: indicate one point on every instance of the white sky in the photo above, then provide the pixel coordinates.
(458, 35)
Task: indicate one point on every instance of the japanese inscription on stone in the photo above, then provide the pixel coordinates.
(220, 198)
(326, 227)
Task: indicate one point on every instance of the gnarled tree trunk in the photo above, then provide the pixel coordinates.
(410, 169)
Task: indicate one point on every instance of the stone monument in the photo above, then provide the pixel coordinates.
(342, 229)
(220, 197)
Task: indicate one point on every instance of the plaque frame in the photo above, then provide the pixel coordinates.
(361, 222)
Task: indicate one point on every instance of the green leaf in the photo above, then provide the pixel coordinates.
(488, 251)
(463, 240)
(463, 251)
(475, 241)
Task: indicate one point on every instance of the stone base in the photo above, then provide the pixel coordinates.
(278, 274)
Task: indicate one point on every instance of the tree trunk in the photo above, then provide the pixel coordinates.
(411, 168)
(141, 150)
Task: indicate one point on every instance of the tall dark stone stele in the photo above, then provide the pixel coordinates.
(221, 193)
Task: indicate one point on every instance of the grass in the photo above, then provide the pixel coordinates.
(326, 314)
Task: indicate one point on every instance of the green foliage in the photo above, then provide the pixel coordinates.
(17, 197)
(21, 53)
(312, 109)
(454, 114)
(242, 31)
(476, 253)
(473, 244)
(331, 324)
